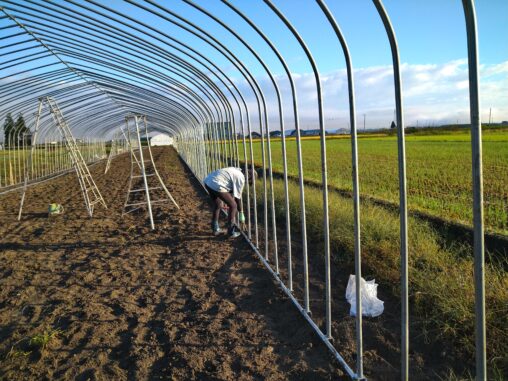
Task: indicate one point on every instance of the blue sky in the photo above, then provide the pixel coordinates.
(433, 48)
(428, 32)
(432, 41)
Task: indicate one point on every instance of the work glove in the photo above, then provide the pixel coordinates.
(241, 219)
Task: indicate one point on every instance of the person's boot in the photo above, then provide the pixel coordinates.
(216, 228)
(233, 231)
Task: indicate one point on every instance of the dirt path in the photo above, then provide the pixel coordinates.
(122, 302)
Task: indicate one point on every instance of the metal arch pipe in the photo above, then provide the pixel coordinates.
(32, 57)
(145, 26)
(356, 186)
(34, 84)
(19, 50)
(160, 62)
(160, 32)
(140, 23)
(5, 46)
(238, 64)
(477, 179)
(402, 189)
(249, 78)
(125, 92)
(27, 105)
(26, 61)
(281, 120)
(299, 158)
(79, 100)
(82, 119)
(204, 110)
(66, 89)
(178, 85)
(184, 92)
(103, 26)
(324, 173)
(18, 94)
(27, 31)
(29, 70)
(132, 41)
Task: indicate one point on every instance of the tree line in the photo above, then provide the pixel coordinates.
(16, 133)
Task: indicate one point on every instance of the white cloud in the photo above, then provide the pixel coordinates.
(432, 94)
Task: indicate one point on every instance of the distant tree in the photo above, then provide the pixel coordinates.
(21, 131)
(393, 125)
(8, 129)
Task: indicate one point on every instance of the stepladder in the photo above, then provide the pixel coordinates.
(146, 187)
(91, 194)
(112, 152)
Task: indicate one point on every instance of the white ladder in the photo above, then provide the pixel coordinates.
(91, 193)
(145, 169)
(112, 149)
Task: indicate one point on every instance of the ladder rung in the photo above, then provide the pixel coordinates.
(144, 203)
(157, 201)
(138, 203)
(142, 189)
(130, 211)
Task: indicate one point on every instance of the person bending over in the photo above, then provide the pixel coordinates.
(226, 185)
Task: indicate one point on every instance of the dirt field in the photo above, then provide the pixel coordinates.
(108, 299)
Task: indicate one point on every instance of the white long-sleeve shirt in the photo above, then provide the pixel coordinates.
(229, 179)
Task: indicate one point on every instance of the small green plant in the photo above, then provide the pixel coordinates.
(41, 340)
(17, 353)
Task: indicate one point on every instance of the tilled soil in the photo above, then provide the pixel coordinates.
(106, 298)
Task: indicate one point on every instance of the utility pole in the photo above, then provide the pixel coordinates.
(490, 116)
(364, 122)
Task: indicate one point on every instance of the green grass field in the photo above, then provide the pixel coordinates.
(439, 183)
(441, 284)
(438, 171)
(44, 163)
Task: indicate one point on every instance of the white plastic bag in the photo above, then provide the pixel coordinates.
(371, 305)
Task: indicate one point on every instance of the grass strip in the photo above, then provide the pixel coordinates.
(441, 286)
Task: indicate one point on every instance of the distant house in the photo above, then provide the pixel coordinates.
(311, 132)
(161, 140)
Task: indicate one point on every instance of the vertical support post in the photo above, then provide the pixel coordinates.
(356, 188)
(402, 191)
(28, 166)
(477, 173)
(145, 181)
(324, 170)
